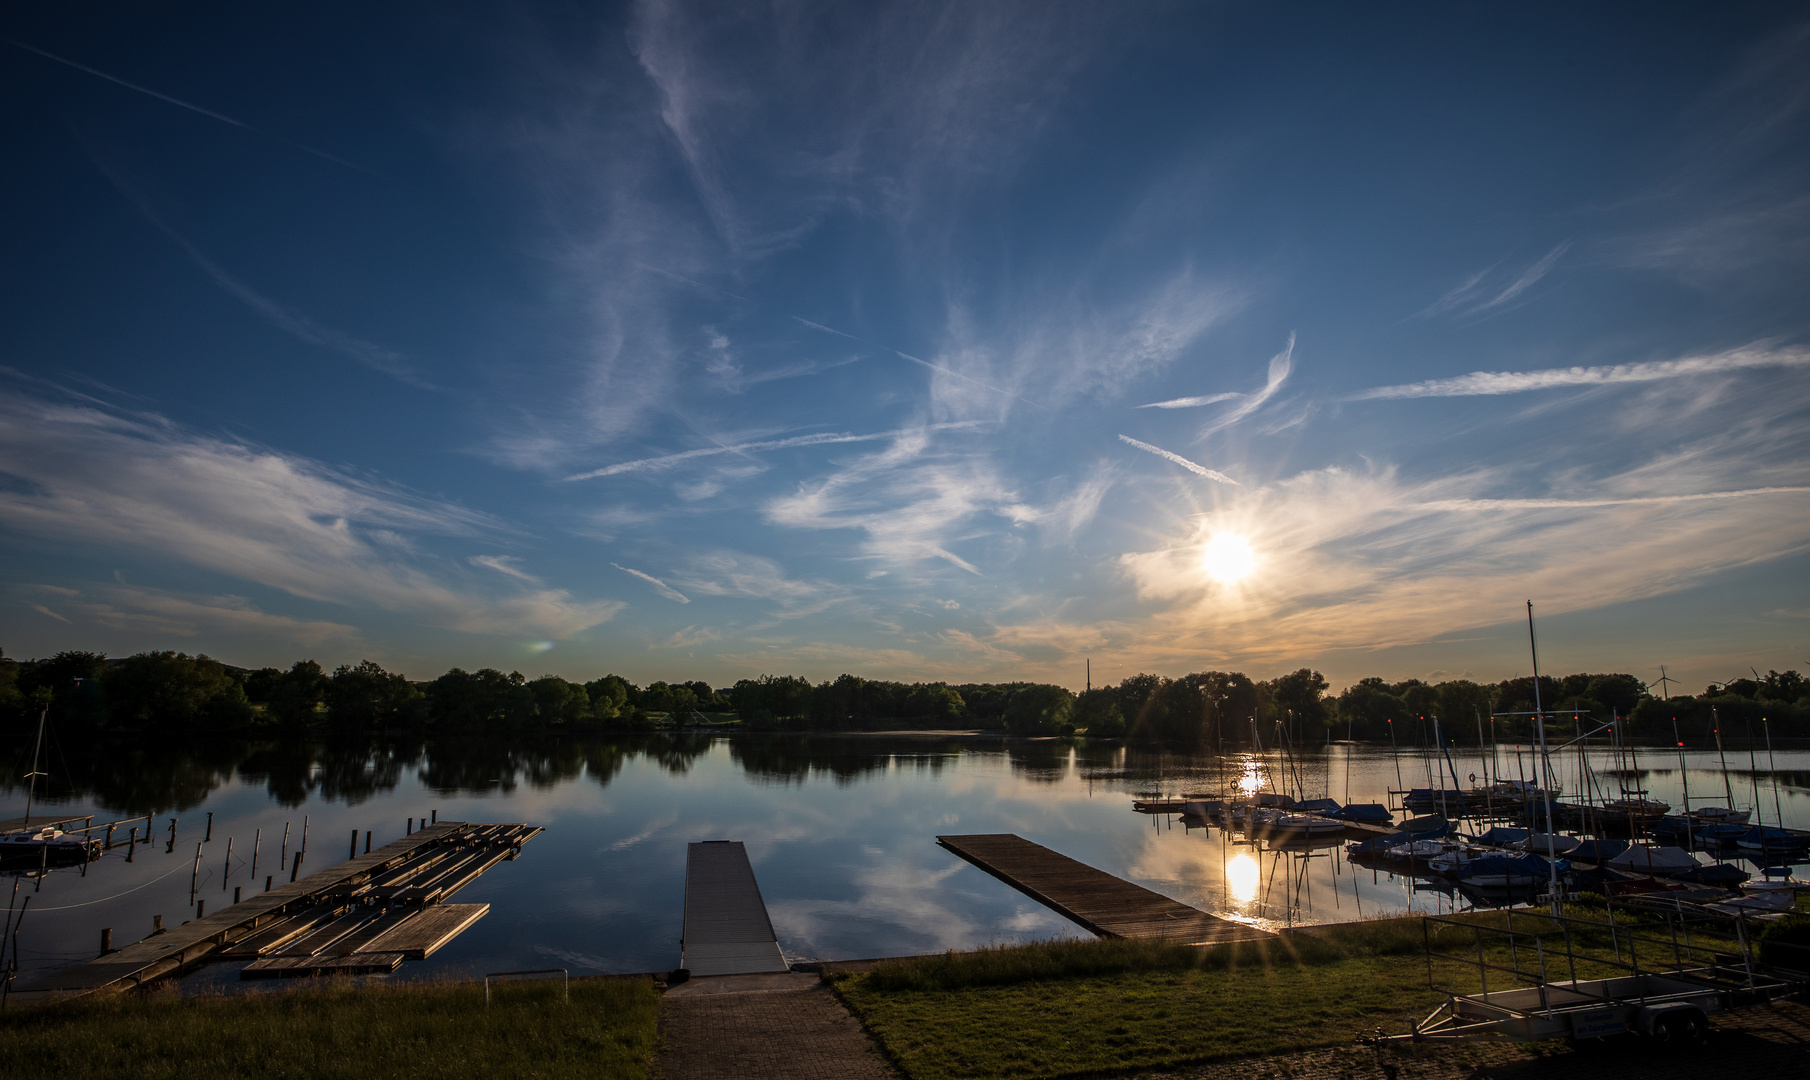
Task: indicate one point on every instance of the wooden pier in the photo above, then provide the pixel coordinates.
(1103, 904)
(366, 914)
(727, 931)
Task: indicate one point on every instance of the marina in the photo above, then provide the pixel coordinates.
(838, 831)
(367, 914)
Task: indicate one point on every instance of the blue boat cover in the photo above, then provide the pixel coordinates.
(1371, 813)
(1598, 850)
(1499, 836)
(1518, 866)
(1378, 844)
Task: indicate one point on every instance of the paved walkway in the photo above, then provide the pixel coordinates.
(763, 1027)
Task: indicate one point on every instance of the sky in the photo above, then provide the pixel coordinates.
(964, 341)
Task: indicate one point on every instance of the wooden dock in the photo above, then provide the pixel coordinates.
(727, 931)
(1103, 904)
(371, 911)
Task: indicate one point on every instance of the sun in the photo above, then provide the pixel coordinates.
(1228, 558)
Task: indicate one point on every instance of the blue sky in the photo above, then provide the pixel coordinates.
(921, 341)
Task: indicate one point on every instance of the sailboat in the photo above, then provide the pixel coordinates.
(27, 848)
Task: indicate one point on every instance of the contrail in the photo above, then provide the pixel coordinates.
(176, 101)
(1192, 402)
(1572, 504)
(660, 587)
(667, 461)
(222, 117)
(826, 329)
(1210, 474)
(1486, 383)
(969, 378)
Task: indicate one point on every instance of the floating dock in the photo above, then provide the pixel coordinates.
(367, 914)
(727, 931)
(1103, 904)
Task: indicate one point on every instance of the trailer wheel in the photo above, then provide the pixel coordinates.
(1680, 1029)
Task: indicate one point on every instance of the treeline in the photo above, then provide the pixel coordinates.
(1206, 709)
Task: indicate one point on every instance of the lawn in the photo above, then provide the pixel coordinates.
(1075, 1008)
(445, 1030)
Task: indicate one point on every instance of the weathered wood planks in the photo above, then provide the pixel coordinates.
(1105, 905)
(420, 937)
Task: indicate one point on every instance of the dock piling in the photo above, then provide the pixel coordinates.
(108, 844)
(106, 940)
(297, 868)
(354, 853)
(267, 880)
(409, 830)
(436, 816)
(200, 908)
(304, 849)
(367, 841)
(257, 841)
(236, 889)
(195, 874)
(227, 875)
(132, 843)
(210, 827)
(156, 925)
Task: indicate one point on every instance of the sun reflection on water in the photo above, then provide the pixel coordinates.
(1242, 876)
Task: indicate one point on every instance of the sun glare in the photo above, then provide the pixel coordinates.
(1228, 558)
(1242, 877)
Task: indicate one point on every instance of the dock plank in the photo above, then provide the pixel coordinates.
(422, 936)
(1103, 904)
(727, 930)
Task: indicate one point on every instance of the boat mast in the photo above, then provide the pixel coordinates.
(31, 778)
(1539, 717)
(1772, 764)
(1682, 774)
(1716, 729)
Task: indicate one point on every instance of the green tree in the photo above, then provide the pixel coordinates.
(1040, 709)
(366, 696)
(609, 696)
(558, 702)
(295, 696)
(174, 688)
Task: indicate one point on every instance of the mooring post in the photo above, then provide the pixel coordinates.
(172, 844)
(106, 940)
(156, 924)
(132, 843)
(195, 874)
(268, 878)
(367, 841)
(227, 876)
(297, 868)
(210, 827)
(200, 908)
(410, 829)
(283, 858)
(108, 846)
(304, 850)
(354, 854)
(257, 841)
(436, 815)
(236, 889)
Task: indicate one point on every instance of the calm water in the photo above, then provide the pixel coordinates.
(841, 831)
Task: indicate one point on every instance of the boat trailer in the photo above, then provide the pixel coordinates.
(1660, 974)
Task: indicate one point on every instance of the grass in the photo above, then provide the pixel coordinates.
(1075, 1008)
(333, 1030)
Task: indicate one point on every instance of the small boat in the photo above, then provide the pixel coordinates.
(1282, 828)
(29, 849)
(1455, 859)
(1503, 872)
(1364, 813)
(1428, 828)
(1597, 850)
(1654, 859)
(1501, 836)
(1322, 807)
(1771, 841)
(1721, 875)
(1421, 800)
(1548, 844)
(1644, 809)
(1720, 834)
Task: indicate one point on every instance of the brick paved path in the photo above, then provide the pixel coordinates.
(763, 1028)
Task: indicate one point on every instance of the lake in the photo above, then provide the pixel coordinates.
(840, 828)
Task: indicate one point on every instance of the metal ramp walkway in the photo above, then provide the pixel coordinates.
(727, 931)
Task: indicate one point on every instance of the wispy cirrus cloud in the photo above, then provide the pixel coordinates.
(668, 461)
(1478, 383)
(660, 587)
(1198, 470)
(1484, 291)
(91, 475)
